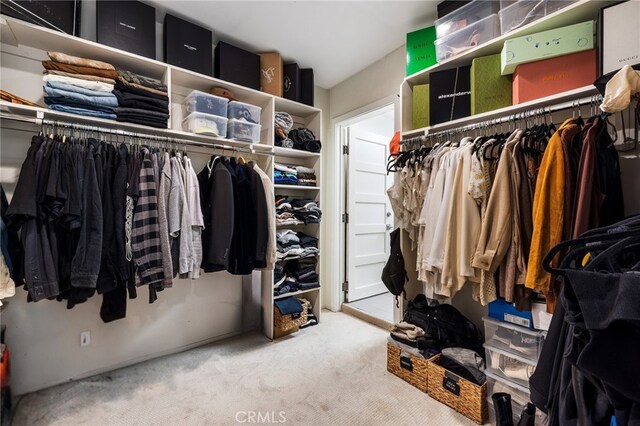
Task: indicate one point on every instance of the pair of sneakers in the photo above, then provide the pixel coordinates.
(519, 342)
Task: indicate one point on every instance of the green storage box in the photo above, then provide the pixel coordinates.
(420, 106)
(547, 44)
(421, 52)
(489, 89)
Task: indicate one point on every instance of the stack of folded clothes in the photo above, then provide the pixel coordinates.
(296, 211)
(295, 244)
(294, 275)
(304, 140)
(283, 175)
(141, 100)
(306, 176)
(79, 86)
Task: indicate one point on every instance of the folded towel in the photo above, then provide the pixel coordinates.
(63, 58)
(79, 69)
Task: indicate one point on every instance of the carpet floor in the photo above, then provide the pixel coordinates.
(332, 373)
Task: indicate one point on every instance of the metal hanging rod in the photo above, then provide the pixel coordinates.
(129, 134)
(523, 115)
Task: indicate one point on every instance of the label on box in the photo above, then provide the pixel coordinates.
(517, 320)
(405, 362)
(126, 26)
(451, 384)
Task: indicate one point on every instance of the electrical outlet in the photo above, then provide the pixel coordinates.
(85, 338)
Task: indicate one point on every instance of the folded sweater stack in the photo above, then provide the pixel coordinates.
(291, 243)
(285, 175)
(79, 86)
(306, 176)
(296, 211)
(141, 100)
(298, 274)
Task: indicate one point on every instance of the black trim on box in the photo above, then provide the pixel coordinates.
(291, 87)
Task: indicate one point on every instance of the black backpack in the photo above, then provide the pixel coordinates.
(394, 276)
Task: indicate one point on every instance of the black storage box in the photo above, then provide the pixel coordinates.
(292, 87)
(448, 6)
(61, 15)
(306, 83)
(187, 45)
(237, 65)
(449, 94)
(127, 25)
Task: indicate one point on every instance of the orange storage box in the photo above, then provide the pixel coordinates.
(556, 75)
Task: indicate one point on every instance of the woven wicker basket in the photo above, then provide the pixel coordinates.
(463, 396)
(284, 323)
(410, 368)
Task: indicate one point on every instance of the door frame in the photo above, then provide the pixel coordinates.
(337, 187)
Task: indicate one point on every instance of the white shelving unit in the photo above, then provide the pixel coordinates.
(24, 46)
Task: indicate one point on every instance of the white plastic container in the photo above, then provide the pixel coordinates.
(467, 38)
(198, 101)
(509, 366)
(243, 131)
(523, 12)
(467, 15)
(519, 398)
(244, 112)
(514, 339)
(205, 124)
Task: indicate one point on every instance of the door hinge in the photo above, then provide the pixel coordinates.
(345, 217)
(345, 286)
(345, 149)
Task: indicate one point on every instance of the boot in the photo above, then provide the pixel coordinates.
(502, 407)
(528, 416)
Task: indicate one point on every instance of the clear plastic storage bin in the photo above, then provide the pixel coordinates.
(243, 131)
(244, 112)
(509, 366)
(205, 124)
(514, 339)
(198, 101)
(467, 38)
(523, 12)
(466, 15)
(519, 398)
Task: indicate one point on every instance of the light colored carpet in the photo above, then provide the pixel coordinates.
(333, 373)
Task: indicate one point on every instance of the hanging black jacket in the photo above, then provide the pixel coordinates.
(261, 219)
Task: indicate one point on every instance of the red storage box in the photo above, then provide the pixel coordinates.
(556, 75)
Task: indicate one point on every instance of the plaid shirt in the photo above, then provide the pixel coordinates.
(145, 239)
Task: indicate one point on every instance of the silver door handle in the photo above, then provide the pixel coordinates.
(388, 227)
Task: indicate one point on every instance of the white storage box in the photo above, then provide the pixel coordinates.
(467, 38)
(519, 398)
(524, 12)
(514, 339)
(244, 112)
(509, 366)
(198, 101)
(206, 124)
(466, 15)
(243, 131)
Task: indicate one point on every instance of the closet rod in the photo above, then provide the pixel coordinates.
(523, 115)
(135, 135)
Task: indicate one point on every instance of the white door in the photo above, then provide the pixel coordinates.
(369, 212)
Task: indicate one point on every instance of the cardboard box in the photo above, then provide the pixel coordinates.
(60, 15)
(236, 65)
(505, 311)
(420, 106)
(449, 95)
(619, 36)
(292, 88)
(421, 52)
(547, 44)
(489, 89)
(556, 75)
(541, 318)
(127, 25)
(187, 45)
(306, 86)
(271, 78)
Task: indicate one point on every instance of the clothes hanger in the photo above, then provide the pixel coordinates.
(610, 252)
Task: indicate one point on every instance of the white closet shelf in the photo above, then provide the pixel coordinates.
(579, 11)
(297, 187)
(39, 113)
(297, 293)
(295, 108)
(286, 259)
(503, 112)
(297, 225)
(294, 153)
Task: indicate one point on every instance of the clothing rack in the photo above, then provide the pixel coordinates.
(127, 134)
(511, 118)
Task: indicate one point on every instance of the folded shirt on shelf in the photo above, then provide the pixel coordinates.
(295, 244)
(132, 79)
(294, 275)
(79, 69)
(83, 111)
(296, 211)
(134, 100)
(69, 83)
(98, 99)
(283, 178)
(63, 58)
(306, 176)
(81, 76)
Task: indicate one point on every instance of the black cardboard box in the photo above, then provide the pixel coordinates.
(292, 87)
(236, 65)
(187, 45)
(127, 25)
(306, 86)
(449, 94)
(61, 15)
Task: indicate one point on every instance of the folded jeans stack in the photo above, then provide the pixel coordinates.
(79, 86)
(296, 211)
(141, 100)
(291, 243)
(283, 175)
(306, 176)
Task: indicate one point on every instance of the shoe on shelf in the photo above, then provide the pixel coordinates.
(504, 336)
(524, 344)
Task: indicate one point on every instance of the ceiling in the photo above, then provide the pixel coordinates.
(335, 38)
